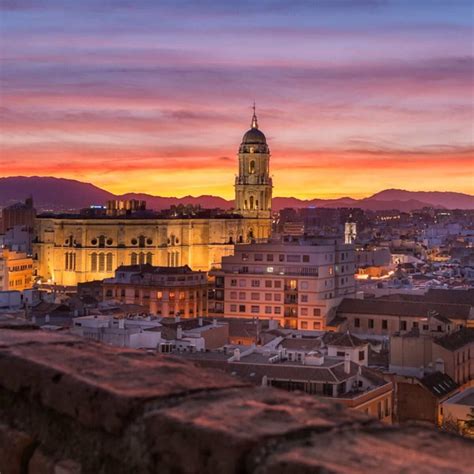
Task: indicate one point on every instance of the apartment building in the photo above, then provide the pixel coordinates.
(386, 316)
(163, 291)
(16, 270)
(294, 281)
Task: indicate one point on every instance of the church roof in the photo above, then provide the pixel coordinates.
(254, 137)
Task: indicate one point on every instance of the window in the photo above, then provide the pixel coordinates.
(241, 295)
(415, 325)
(281, 258)
(255, 308)
(242, 308)
(255, 296)
(277, 297)
(277, 284)
(316, 312)
(361, 355)
(371, 324)
(258, 257)
(268, 296)
(403, 325)
(304, 311)
(149, 258)
(233, 282)
(110, 261)
(94, 262)
(159, 295)
(384, 324)
(293, 258)
(357, 322)
(245, 257)
(101, 262)
(134, 259)
(255, 283)
(304, 325)
(233, 308)
(304, 298)
(306, 258)
(387, 407)
(340, 354)
(304, 285)
(268, 310)
(277, 310)
(233, 295)
(317, 325)
(425, 327)
(269, 257)
(242, 283)
(268, 283)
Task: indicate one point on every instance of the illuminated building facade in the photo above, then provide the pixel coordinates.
(75, 248)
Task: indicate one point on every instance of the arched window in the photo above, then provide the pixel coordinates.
(101, 262)
(94, 262)
(252, 167)
(66, 261)
(110, 260)
(149, 258)
(251, 202)
(141, 260)
(134, 259)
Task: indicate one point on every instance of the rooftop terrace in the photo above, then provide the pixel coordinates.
(72, 406)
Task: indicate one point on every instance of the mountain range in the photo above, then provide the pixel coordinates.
(64, 194)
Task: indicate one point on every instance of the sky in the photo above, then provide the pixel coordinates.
(354, 96)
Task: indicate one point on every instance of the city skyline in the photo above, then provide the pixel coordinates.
(354, 97)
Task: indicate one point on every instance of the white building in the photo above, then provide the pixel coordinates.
(295, 281)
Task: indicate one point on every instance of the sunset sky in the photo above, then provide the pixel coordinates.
(153, 96)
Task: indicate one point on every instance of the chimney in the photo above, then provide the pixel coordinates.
(200, 321)
(121, 323)
(46, 318)
(236, 355)
(179, 332)
(347, 363)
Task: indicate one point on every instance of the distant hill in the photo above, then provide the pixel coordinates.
(51, 193)
(64, 194)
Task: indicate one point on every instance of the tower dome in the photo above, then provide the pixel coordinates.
(254, 136)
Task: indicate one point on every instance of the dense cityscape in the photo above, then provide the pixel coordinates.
(236, 237)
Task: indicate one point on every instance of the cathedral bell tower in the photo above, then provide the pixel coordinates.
(253, 185)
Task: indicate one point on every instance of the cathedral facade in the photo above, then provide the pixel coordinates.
(73, 249)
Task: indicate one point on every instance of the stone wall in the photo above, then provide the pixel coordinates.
(72, 406)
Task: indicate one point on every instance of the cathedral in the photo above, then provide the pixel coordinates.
(71, 249)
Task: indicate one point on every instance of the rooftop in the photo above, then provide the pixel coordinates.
(389, 307)
(457, 339)
(64, 398)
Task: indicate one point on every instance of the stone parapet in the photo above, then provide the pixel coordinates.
(72, 406)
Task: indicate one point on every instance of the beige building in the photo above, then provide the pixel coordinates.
(387, 316)
(453, 354)
(164, 291)
(294, 281)
(76, 248)
(16, 270)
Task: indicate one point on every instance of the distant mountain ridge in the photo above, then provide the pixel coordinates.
(63, 194)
